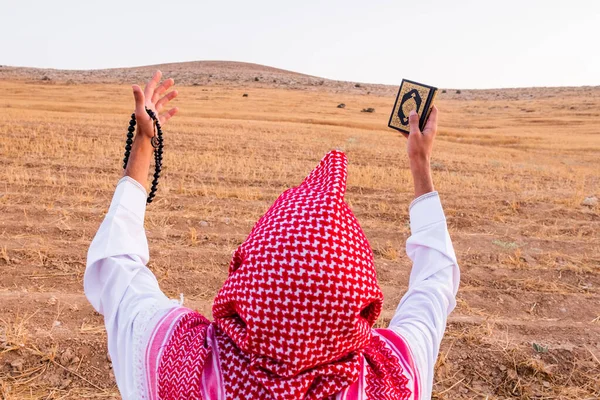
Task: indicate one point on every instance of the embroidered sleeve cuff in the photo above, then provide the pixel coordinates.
(425, 210)
(131, 195)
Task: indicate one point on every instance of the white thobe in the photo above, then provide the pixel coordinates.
(120, 286)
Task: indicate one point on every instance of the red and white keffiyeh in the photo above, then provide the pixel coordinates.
(294, 318)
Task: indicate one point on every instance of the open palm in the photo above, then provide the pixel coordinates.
(151, 99)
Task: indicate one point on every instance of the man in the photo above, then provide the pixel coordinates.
(294, 318)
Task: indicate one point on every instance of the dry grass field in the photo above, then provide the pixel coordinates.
(512, 167)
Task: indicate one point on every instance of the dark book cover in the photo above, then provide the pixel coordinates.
(412, 96)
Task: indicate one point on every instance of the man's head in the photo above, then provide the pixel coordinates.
(302, 289)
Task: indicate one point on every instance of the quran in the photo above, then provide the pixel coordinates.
(412, 96)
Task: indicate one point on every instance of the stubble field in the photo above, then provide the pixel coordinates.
(512, 167)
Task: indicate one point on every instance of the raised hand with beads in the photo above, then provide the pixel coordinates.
(149, 102)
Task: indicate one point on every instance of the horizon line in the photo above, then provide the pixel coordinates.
(289, 71)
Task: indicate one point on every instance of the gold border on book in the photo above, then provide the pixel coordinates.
(425, 92)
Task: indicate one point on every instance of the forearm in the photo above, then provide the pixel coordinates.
(139, 159)
(119, 248)
(421, 173)
(419, 148)
(422, 314)
(119, 285)
(435, 271)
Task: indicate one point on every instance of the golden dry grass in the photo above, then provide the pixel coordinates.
(512, 174)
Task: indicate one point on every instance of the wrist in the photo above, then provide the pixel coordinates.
(142, 142)
(419, 163)
(141, 149)
(138, 165)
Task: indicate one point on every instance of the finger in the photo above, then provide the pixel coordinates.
(168, 115)
(413, 121)
(415, 139)
(166, 98)
(162, 88)
(431, 125)
(138, 95)
(151, 85)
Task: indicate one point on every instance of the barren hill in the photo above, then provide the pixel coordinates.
(196, 73)
(248, 75)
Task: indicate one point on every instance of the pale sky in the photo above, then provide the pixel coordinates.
(445, 43)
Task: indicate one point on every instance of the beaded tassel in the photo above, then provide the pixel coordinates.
(157, 143)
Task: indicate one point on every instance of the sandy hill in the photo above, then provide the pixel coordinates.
(240, 74)
(196, 73)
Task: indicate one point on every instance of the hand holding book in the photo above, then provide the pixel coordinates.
(416, 117)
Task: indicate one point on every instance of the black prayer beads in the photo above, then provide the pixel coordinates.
(129, 140)
(157, 143)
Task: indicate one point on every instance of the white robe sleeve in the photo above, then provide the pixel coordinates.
(119, 285)
(421, 316)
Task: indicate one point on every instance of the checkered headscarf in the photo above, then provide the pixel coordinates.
(293, 319)
(302, 290)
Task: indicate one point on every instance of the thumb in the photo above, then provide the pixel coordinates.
(413, 120)
(140, 100)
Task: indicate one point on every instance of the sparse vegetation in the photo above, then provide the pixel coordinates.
(512, 185)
